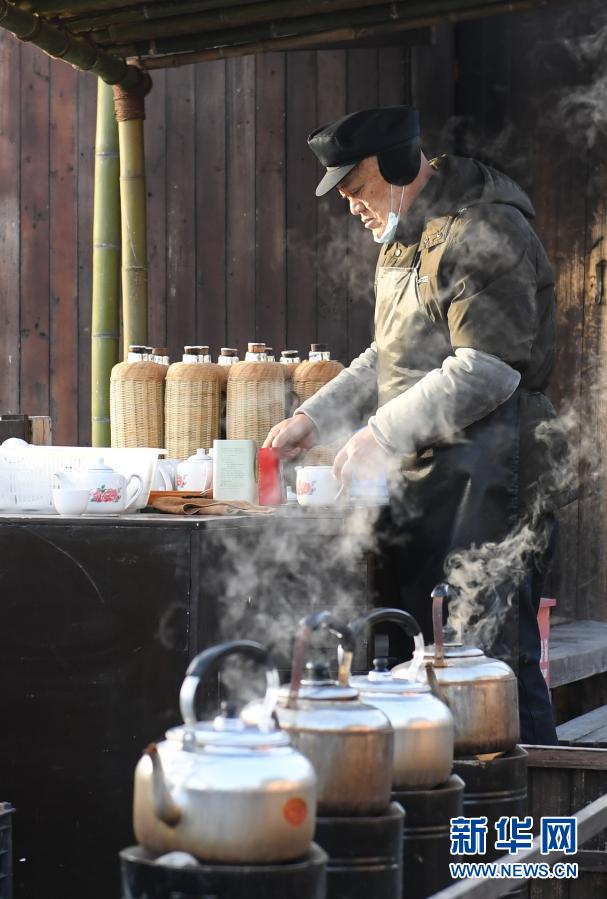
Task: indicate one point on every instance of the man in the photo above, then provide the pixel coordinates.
(452, 385)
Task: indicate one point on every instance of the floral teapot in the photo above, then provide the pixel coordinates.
(109, 491)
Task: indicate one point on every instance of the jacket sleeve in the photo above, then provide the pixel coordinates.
(344, 404)
(467, 387)
(488, 284)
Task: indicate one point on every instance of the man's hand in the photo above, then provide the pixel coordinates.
(293, 435)
(363, 455)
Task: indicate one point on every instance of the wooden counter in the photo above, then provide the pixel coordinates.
(99, 616)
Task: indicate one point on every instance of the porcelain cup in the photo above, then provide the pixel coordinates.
(369, 491)
(316, 486)
(69, 501)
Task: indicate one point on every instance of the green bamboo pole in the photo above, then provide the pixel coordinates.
(130, 112)
(106, 265)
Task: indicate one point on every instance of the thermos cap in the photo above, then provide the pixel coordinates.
(197, 350)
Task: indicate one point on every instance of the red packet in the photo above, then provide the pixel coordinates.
(271, 482)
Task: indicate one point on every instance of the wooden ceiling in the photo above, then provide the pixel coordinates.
(161, 33)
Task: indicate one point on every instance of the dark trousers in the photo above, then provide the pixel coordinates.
(537, 721)
(393, 569)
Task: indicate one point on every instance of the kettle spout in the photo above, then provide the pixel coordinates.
(166, 810)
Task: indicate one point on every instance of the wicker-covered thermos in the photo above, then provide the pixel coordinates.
(255, 396)
(308, 378)
(315, 372)
(137, 400)
(192, 410)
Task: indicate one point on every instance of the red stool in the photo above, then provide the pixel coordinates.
(543, 620)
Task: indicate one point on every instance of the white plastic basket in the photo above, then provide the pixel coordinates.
(26, 472)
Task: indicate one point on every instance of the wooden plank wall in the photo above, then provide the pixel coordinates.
(239, 246)
(47, 117)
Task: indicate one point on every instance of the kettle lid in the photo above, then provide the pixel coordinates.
(380, 680)
(317, 684)
(228, 729)
(455, 651)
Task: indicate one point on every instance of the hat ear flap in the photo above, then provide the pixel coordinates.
(400, 165)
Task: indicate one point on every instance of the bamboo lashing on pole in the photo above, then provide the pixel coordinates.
(130, 113)
(106, 265)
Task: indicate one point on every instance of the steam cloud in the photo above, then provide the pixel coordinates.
(271, 584)
(269, 580)
(584, 107)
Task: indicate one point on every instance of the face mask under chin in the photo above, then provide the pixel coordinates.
(389, 232)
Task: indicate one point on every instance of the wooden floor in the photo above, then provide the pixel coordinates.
(577, 650)
(587, 730)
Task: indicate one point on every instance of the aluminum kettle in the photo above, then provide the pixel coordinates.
(481, 692)
(225, 791)
(350, 743)
(423, 725)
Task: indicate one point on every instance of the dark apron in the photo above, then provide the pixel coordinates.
(454, 494)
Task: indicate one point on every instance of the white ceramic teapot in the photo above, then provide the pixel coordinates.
(196, 473)
(109, 491)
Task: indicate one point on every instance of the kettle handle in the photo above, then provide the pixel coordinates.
(313, 622)
(202, 664)
(406, 622)
(438, 595)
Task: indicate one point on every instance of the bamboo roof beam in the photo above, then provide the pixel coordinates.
(75, 7)
(61, 44)
(390, 14)
(48, 7)
(185, 22)
(173, 53)
(142, 13)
